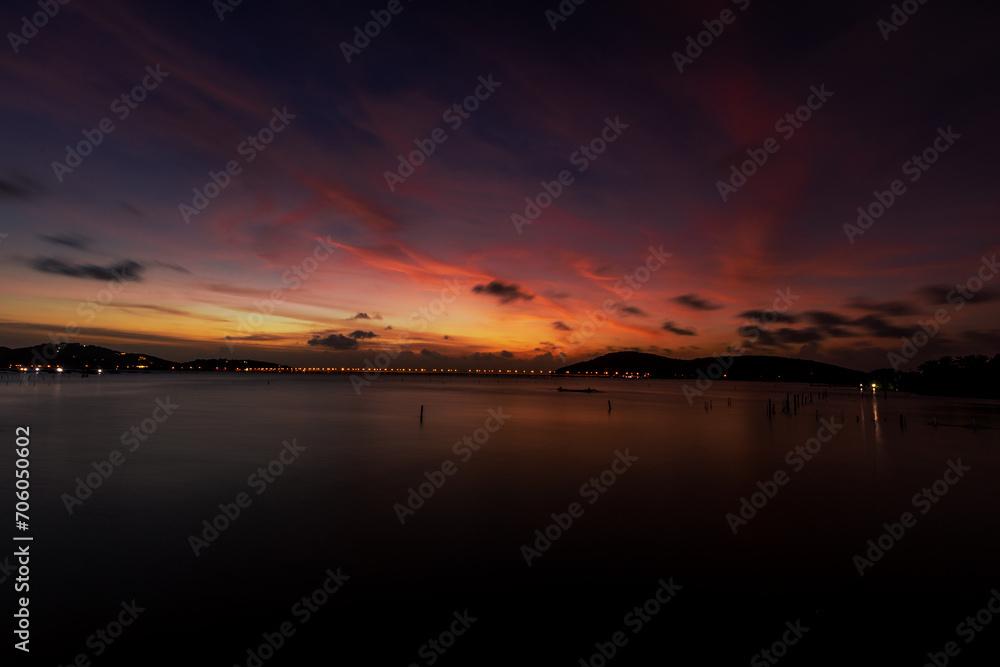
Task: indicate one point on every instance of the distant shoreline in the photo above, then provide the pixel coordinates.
(518, 375)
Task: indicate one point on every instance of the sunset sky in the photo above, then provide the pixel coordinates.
(346, 262)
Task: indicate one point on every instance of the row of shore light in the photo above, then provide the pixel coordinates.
(59, 369)
(319, 369)
(397, 370)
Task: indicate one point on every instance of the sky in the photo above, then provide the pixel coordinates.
(500, 184)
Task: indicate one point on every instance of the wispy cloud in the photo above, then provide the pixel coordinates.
(70, 240)
(695, 302)
(127, 270)
(680, 331)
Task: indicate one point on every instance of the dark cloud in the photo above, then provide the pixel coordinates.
(807, 335)
(366, 316)
(889, 308)
(934, 294)
(695, 302)
(825, 318)
(768, 316)
(785, 336)
(833, 324)
(506, 291)
(260, 337)
(838, 332)
(985, 296)
(224, 288)
(9, 190)
(335, 342)
(632, 310)
(506, 355)
(96, 335)
(131, 307)
(561, 326)
(362, 335)
(762, 337)
(71, 240)
(127, 270)
(20, 187)
(130, 208)
(669, 326)
(877, 326)
(174, 267)
(991, 339)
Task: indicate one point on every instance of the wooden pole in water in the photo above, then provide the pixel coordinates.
(609, 405)
(421, 413)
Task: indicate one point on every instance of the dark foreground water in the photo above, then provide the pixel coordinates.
(655, 526)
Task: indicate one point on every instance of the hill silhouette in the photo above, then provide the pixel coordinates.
(76, 356)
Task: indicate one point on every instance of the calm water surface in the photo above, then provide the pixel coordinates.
(334, 506)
